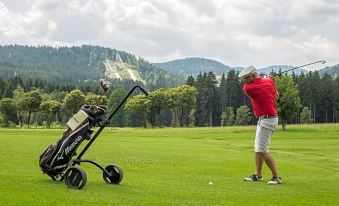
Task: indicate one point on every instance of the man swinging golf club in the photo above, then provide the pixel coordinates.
(263, 95)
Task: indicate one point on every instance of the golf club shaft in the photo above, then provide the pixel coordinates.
(322, 61)
(96, 103)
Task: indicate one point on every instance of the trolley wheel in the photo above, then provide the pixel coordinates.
(115, 174)
(75, 178)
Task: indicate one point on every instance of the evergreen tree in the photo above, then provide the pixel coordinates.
(11, 85)
(2, 87)
(234, 90)
(223, 93)
(335, 93)
(326, 98)
(201, 103)
(213, 101)
(314, 93)
(190, 81)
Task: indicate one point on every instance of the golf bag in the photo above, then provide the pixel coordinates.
(56, 158)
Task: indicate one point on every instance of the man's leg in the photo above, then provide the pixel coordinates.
(270, 163)
(258, 163)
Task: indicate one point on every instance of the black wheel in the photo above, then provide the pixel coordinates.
(115, 174)
(75, 178)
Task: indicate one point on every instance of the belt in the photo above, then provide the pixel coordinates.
(267, 116)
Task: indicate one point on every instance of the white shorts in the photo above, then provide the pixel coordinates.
(265, 129)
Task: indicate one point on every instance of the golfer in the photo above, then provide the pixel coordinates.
(263, 95)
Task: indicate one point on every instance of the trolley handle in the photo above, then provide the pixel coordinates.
(124, 100)
(104, 123)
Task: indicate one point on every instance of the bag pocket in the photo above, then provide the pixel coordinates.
(46, 156)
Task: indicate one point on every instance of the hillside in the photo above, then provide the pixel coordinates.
(193, 66)
(120, 70)
(333, 71)
(77, 64)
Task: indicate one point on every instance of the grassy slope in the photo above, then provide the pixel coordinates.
(174, 167)
(122, 70)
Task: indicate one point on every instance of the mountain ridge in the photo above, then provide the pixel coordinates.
(178, 66)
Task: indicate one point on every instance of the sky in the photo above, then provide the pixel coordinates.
(234, 32)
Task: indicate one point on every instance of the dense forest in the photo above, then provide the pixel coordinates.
(75, 65)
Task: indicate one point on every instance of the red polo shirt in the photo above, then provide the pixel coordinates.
(263, 93)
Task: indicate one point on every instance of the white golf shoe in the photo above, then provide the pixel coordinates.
(275, 181)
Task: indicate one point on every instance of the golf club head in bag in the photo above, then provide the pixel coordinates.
(104, 85)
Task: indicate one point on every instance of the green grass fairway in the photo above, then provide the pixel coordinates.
(174, 167)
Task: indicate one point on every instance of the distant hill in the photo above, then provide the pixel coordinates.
(333, 71)
(78, 64)
(193, 66)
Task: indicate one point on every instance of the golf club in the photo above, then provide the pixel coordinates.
(105, 86)
(322, 62)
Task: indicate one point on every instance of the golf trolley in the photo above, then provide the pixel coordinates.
(57, 160)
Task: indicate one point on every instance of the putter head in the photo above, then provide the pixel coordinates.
(104, 84)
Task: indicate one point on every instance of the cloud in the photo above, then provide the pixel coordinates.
(238, 33)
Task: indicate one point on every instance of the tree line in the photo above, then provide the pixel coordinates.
(304, 98)
(202, 101)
